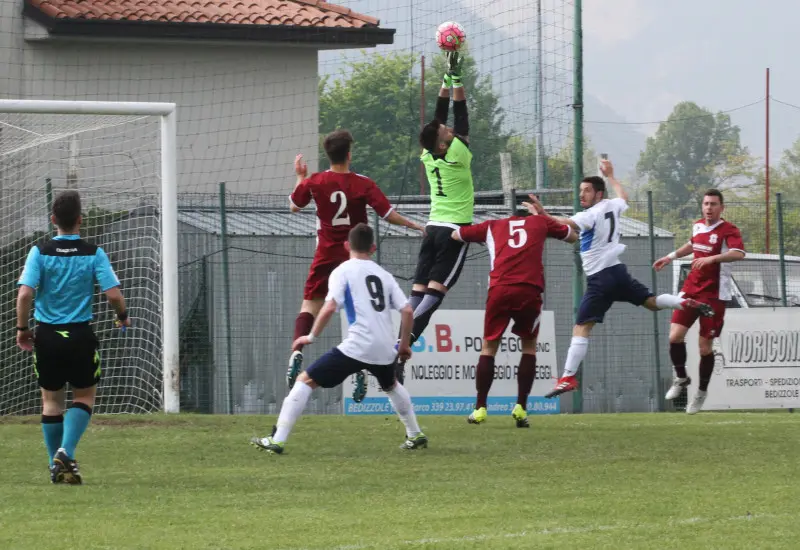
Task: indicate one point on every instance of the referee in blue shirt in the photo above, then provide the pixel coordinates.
(61, 273)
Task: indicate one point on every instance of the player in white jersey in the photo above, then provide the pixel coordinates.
(607, 279)
(368, 294)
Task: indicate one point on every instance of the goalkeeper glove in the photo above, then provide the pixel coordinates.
(454, 68)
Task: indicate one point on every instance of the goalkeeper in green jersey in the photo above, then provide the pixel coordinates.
(448, 164)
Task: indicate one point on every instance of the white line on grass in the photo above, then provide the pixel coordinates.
(553, 531)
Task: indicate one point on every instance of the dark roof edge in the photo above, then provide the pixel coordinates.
(347, 36)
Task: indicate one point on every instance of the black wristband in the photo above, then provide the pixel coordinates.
(22, 329)
(122, 316)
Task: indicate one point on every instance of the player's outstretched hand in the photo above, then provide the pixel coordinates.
(453, 63)
(300, 167)
(404, 353)
(606, 168)
(661, 263)
(700, 263)
(302, 341)
(418, 227)
(25, 340)
(535, 206)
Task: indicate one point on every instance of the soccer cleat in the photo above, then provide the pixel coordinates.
(678, 385)
(520, 415)
(360, 391)
(704, 309)
(67, 469)
(697, 403)
(419, 441)
(565, 384)
(478, 416)
(56, 473)
(268, 443)
(295, 366)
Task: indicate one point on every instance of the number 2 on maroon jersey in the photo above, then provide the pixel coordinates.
(341, 217)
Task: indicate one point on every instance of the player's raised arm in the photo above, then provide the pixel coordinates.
(443, 101)
(607, 169)
(461, 117)
(301, 195)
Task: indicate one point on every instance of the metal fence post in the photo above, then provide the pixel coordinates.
(781, 248)
(48, 186)
(377, 238)
(226, 290)
(577, 171)
(654, 288)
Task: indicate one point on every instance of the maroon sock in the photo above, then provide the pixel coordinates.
(677, 353)
(483, 379)
(525, 376)
(706, 370)
(302, 327)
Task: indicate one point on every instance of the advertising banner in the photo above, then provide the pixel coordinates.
(441, 374)
(757, 360)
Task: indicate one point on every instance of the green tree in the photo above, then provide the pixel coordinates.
(378, 101)
(693, 150)
(748, 210)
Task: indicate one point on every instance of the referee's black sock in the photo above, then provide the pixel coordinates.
(426, 308)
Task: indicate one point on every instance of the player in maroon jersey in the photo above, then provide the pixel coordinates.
(341, 197)
(715, 244)
(516, 284)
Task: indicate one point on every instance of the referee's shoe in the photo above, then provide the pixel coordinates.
(65, 469)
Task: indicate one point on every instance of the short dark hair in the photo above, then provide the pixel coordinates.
(361, 238)
(429, 135)
(598, 184)
(337, 145)
(715, 193)
(67, 209)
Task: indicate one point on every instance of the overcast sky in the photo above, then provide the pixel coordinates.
(643, 56)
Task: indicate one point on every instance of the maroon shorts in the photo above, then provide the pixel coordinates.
(519, 303)
(325, 261)
(710, 327)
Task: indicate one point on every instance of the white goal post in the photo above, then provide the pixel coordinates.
(112, 146)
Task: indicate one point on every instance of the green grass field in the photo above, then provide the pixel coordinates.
(594, 481)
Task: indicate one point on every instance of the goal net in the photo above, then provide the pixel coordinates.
(114, 159)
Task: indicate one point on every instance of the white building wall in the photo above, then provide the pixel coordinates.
(244, 111)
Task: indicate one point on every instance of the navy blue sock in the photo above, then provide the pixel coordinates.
(53, 429)
(75, 422)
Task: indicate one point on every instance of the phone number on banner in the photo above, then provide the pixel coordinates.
(451, 405)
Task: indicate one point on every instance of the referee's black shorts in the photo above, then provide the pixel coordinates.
(66, 353)
(440, 257)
